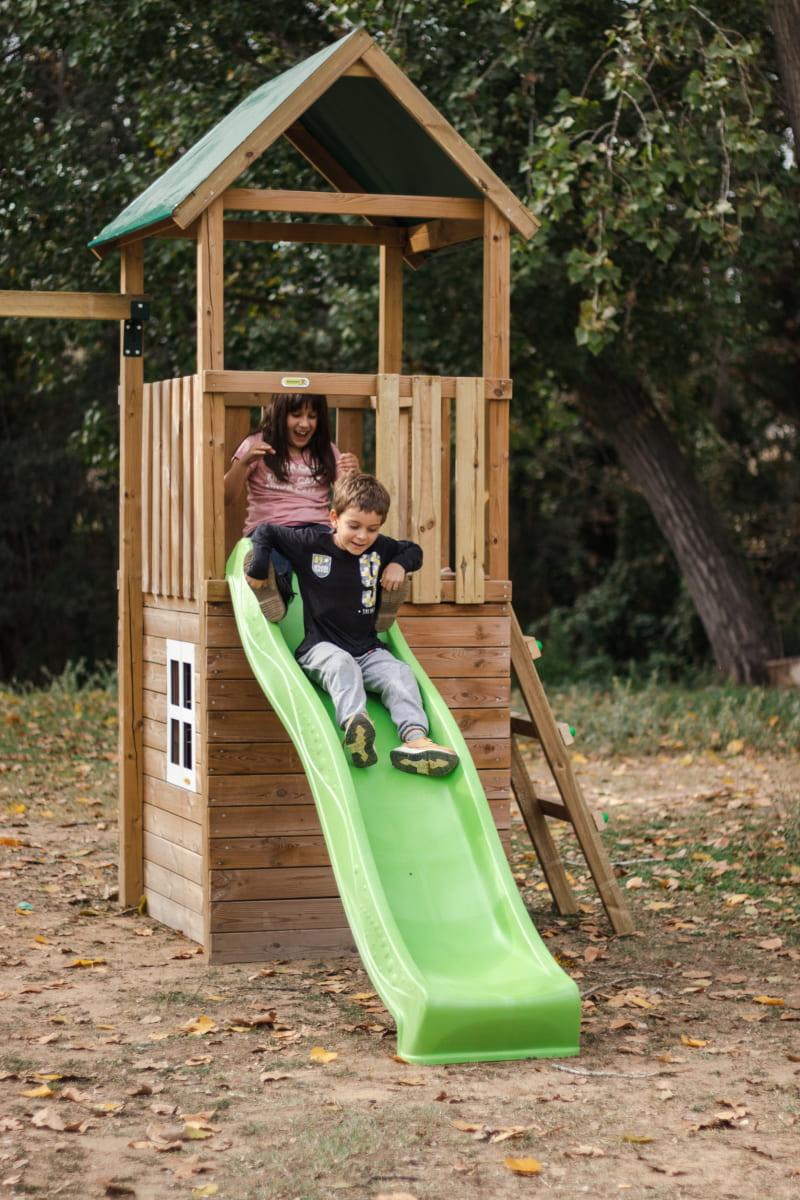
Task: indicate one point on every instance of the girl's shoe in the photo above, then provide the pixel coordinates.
(270, 600)
(424, 757)
(390, 602)
(359, 740)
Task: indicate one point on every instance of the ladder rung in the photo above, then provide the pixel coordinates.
(523, 725)
(553, 808)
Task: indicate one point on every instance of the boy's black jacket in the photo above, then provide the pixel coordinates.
(340, 590)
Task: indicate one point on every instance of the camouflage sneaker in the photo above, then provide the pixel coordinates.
(270, 601)
(359, 740)
(390, 602)
(424, 757)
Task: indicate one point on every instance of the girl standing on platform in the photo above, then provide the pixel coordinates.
(288, 467)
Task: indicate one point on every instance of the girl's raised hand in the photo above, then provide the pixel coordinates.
(256, 452)
(348, 464)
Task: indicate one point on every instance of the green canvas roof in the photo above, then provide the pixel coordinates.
(355, 119)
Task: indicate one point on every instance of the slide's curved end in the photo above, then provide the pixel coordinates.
(424, 881)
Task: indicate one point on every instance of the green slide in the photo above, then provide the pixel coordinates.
(430, 899)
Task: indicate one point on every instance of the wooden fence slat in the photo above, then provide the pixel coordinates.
(155, 492)
(167, 498)
(447, 481)
(188, 389)
(470, 506)
(147, 469)
(177, 498)
(387, 442)
(426, 490)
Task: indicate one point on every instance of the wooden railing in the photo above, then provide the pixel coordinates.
(169, 470)
(430, 451)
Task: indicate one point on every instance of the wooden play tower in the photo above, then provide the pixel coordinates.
(218, 826)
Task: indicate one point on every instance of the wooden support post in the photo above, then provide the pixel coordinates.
(390, 362)
(387, 436)
(470, 499)
(131, 390)
(208, 479)
(496, 361)
(540, 835)
(447, 481)
(561, 768)
(426, 487)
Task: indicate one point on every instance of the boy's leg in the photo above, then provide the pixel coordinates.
(395, 683)
(340, 675)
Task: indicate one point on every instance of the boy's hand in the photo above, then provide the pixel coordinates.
(393, 577)
(348, 464)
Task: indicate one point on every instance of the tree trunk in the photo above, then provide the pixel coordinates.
(785, 20)
(741, 631)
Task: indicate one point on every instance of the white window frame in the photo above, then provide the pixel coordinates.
(181, 747)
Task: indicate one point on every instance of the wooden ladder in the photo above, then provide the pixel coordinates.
(541, 725)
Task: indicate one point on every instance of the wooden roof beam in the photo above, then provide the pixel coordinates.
(311, 232)
(352, 203)
(73, 306)
(433, 235)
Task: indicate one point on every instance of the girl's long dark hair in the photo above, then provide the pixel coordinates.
(318, 453)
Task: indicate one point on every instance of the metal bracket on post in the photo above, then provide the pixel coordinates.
(133, 339)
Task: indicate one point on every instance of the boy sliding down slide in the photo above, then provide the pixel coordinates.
(341, 574)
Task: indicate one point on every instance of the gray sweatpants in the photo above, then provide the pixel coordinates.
(347, 680)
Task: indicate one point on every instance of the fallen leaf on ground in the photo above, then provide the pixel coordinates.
(320, 1055)
(774, 1000)
(636, 1139)
(85, 962)
(523, 1166)
(693, 1043)
(584, 1152)
(200, 1026)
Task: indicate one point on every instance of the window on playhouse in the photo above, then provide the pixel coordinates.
(181, 742)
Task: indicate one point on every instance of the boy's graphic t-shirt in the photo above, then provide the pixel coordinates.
(340, 590)
(300, 500)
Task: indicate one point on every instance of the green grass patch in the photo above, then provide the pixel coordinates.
(627, 717)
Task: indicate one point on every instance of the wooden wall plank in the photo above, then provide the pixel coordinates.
(259, 789)
(456, 631)
(426, 486)
(154, 649)
(239, 853)
(154, 677)
(169, 623)
(129, 657)
(173, 887)
(470, 491)
(169, 797)
(244, 915)
(272, 883)
(246, 758)
(263, 820)
(283, 945)
(232, 726)
(176, 916)
(475, 693)
(154, 705)
(452, 661)
(176, 859)
(172, 828)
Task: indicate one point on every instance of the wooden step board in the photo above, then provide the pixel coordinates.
(542, 725)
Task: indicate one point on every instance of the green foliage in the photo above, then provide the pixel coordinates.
(649, 139)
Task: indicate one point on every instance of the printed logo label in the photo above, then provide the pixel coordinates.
(321, 565)
(369, 566)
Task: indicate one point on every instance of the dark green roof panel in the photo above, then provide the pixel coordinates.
(380, 144)
(164, 195)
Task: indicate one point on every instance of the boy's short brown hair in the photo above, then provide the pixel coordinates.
(364, 492)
